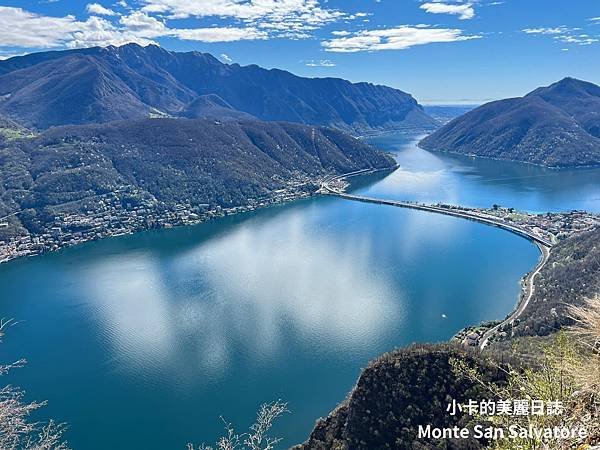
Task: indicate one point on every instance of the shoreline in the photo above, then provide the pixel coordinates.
(212, 214)
(476, 214)
(524, 298)
(8, 254)
(468, 336)
(484, 333)
(491, 158)
(170, 218)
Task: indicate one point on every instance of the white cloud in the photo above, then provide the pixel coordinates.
(99, 32)
(398, 38)
(24, 29)
(98, 9)
(581, 39)
(243, 9)
(465, 11)
(21, 28)
(565, 35)
(292, 18)
(226, 59)
(321, 63)
(143, 25)
(543, 30)
(247, 20)
(219, 34)
(28, 30)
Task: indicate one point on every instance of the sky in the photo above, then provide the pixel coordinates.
(440, 51)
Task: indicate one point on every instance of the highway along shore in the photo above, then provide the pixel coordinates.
(543, 230)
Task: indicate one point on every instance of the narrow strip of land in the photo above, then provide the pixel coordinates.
(543, 244)
(446, 210)
(528, 290)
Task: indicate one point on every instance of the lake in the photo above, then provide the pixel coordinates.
(144, 341)
(440, 177)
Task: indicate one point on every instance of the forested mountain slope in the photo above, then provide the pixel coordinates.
(131, 82)
(556, 126)
(155, 164)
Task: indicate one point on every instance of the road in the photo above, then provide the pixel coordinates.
(529, 289)
(543, 244)
(10, 215)
(456, 212)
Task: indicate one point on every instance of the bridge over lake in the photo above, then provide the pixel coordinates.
(448, 210)
(542, 243)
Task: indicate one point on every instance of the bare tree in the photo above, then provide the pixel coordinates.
(16, 429)
(586, 371)
(257, 437)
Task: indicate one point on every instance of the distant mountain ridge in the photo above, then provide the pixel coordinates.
(556, 126)
(445, 113)
(132, 82)
(212, 106)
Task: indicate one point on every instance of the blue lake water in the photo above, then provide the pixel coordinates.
(439, 177)
(143, 341)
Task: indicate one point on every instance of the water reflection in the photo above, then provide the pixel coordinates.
(256, 286)
(439, 177)
(162, 332)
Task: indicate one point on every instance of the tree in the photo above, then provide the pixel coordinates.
(567, 373)
(257, 437)
(586, 401)
(17, 431)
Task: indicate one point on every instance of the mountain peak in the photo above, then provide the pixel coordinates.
(571, 83)
(566, 87)
(556, 125)
(569, 80)
(136, 80)
(127, 45)
(130, 46)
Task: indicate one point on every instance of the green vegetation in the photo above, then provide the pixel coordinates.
(556, 126)
(399, 391)
(412, 386)
(566, 370)
(154, 165)
(11, 134)
(96, 85)
(10, 130)
(571, 275)
(553, 355)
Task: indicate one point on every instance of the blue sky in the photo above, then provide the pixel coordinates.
(450, 51)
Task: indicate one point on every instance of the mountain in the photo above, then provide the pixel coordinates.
(555, 126)
(10, 130)
(130, 82)
(445, 113)
(571, 276)
(136, 174)
(396, 393)
(5, 122)
(213, 107)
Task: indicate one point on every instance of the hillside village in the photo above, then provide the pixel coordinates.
(112, 217)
